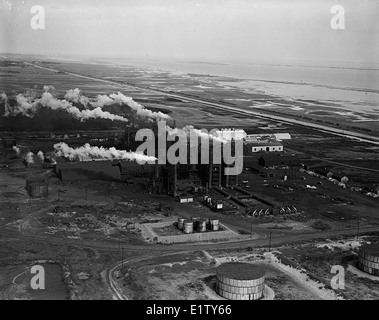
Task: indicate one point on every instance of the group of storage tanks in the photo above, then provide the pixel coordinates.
(196, 224)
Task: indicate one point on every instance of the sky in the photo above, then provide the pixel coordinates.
(206, 30)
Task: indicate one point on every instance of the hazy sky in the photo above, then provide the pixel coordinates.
(211, 30)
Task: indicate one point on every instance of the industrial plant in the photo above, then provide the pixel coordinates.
(196, 164)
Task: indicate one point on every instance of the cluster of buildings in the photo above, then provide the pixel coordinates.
(178, 179)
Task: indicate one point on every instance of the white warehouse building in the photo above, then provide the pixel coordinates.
(266, 146)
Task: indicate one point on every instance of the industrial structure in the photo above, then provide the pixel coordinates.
(265, 137)
(196, 224)
(37, 187)
(267, 146)
(185, 177)
(369, 259)
(231, 134)
(240, 281)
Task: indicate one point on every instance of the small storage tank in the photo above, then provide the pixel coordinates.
(181, 223)
(369, 259)
(240, 281)
(201, 225)
(188, 226)
(214, 224)
(37, 187)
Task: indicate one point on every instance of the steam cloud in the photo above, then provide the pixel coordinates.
(101, 101)
(187, 130)
(87, 152)
(41, 155)
(75, 95)
(48, 88)
(17, 150)
(29, 158)
(8, 108)
(28, 104)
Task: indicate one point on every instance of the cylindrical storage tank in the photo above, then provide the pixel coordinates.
(201, 225)
(188, 226)
(181, 223)
(214, 224)
(369, 259)
(240, 281)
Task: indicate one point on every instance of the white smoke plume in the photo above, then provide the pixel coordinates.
(140, 109)
(26, 106)
(75, 95)
(101, 101)
(87, 152)
(41, 155)
(17, 150)
(8, 108)
(29, 158)
(187, 130)
(48, 88)
(29, 106)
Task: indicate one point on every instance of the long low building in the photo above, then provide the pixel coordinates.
(87, 170)
(115, 170)
(265, 146)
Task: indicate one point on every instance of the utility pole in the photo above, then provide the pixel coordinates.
(269, 243)
(122, 258)
(357, 230)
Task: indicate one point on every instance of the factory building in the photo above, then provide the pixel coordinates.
(87, 170)
(267, 137)
(265, 146)
(282, 136)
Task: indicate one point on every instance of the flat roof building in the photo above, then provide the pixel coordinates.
(265, 146)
